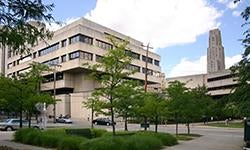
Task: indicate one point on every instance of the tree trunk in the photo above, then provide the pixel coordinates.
(156, 124)
(126, 123)
(30, 114)
(188, 127)
(176, 122)
(145, 122)
(112, 115)
(92, 117)
(21, 116)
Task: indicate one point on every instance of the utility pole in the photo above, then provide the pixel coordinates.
(54, 90)
(146, 78)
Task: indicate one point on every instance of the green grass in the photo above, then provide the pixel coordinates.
(187, 137)
(230, 125)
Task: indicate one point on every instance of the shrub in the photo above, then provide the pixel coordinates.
(79, 132)
(98, 132)
(120, 133)
(55, 131)
(104, 143)
(70, 143)
(166, 138)
(21, 134)
(49, 140)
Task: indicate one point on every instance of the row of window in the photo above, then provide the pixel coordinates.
(220, 78)
(48, 49)
(222, 87)
(50, 77)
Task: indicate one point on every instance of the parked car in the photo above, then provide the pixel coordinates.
(103, 121)
(63, 119)
(13, 124)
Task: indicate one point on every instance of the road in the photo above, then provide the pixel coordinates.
(213, 138)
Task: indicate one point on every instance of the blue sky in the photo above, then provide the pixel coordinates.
(177, 29)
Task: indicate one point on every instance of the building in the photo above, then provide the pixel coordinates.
(80, 42)
(215, 52)
(218, 80)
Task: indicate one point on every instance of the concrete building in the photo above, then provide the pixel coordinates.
(218, 80)
(215, 52)
(80, 42)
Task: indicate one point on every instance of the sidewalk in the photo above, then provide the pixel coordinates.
(19, 146)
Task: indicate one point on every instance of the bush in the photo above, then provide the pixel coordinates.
(70, 143)
(120, 133)
(104, 143)
(79, 132)
(21, 134)
(98, 132)
(166, 138)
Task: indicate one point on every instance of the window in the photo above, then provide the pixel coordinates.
(150, 72)
(52, 62)
(74, 55)
(85, 55)
(63, 58)
(80, 38)
(9, 65)
(9, 53)
(64, 43)
(50, 77)
(103, 45)
(49, 49)
(150, 60)
(98, 58)
(157, 63)
(132, 54)
(133, 68)
(24, 59)
(81, 54)
(34, 55)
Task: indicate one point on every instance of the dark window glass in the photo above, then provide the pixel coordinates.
(103, 45)
(49, 49)
(98, 58)
(150, 72)
(64, 43)
(220, 78)
(132, 54)
(133, 68)
(85, 55)
(34, 55)
(52, 61)
(74, 55)
(150, 60)
(63, 58)
(50, 77)
(157, 63)
(81, 38)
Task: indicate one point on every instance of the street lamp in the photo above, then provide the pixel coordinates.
(54, 89)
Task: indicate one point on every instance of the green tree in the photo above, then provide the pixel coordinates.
(127, 100)
(177, 94)
(155, 107)
(242, 70)
(95, 104)
(18, 20)
(110, 73)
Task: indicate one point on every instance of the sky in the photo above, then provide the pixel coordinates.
(177, 29)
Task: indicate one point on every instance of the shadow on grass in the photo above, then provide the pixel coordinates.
(187, 137)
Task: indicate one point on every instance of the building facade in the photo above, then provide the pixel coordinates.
(218, 80)
(215, 52)
(72, 46)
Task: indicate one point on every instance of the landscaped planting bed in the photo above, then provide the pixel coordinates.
(94, 139)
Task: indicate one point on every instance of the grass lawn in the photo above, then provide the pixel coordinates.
(230, 125)
(186, 137)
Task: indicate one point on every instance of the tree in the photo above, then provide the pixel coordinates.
(95, 104)
(176, 93)
(18, 20)
(155, 107)
(242, 70)
(110, 73)
(21, 95)
(127, 99)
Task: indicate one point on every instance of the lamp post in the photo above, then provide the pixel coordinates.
(54, 90)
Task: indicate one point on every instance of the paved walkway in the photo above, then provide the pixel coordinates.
(19, 146)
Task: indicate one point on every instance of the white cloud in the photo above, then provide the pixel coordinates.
(232, 5)
(236, 13)
(191, 67)
(162, 23)
(54, 26)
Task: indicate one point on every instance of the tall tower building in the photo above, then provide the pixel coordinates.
(215, 52)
